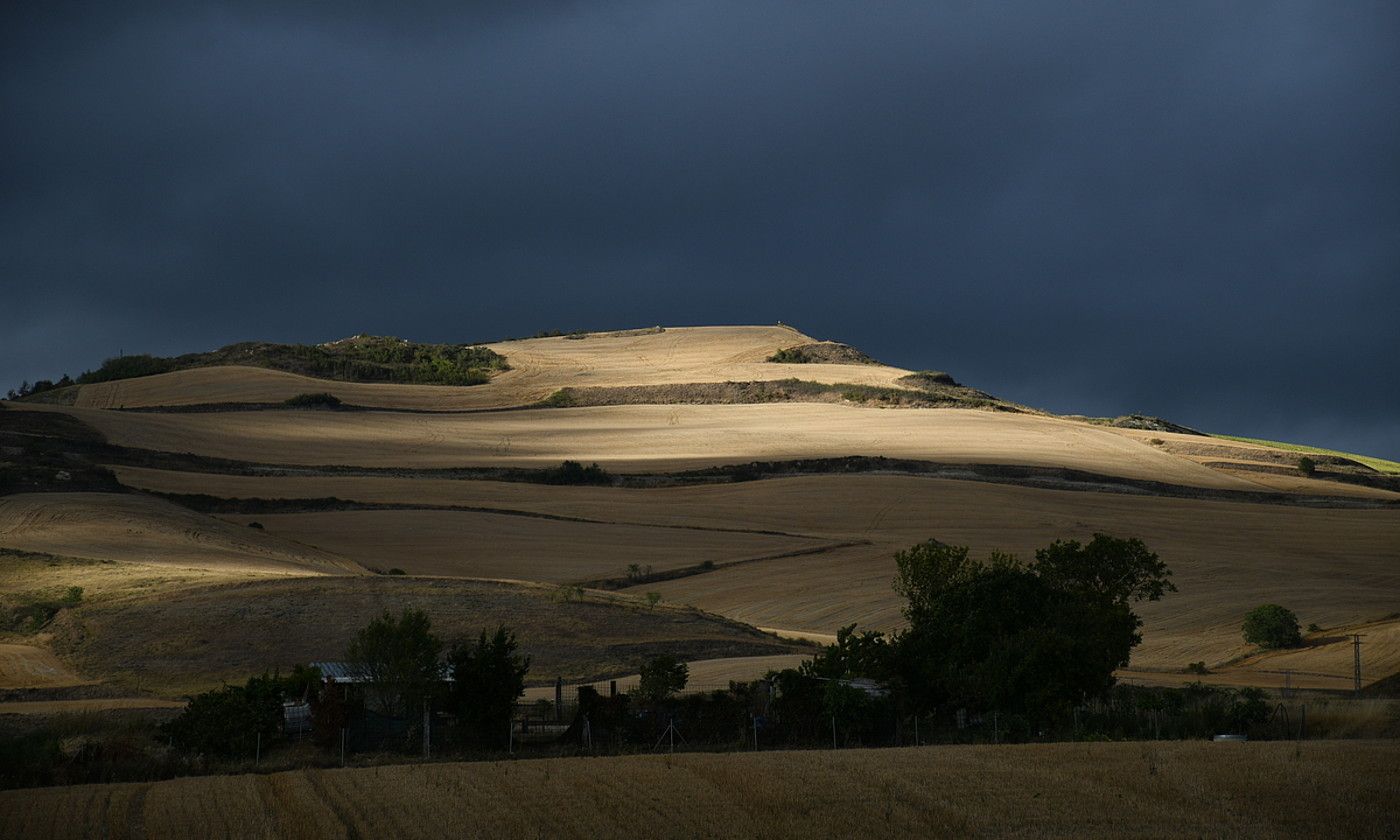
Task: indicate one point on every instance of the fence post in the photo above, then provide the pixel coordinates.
(1303, 723)
(917, 742)
(342, 746)
(558, 699)
(612, 688)
(996, 727)
(427, 739)
(833, 732)
(257, 755)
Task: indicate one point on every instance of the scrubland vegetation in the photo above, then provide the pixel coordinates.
(357, 359)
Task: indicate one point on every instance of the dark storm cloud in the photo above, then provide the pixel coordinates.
(1192, 210)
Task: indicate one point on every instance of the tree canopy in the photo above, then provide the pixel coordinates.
(662, 677)
(487, 678)
(1272, 626)
(399, 656)
(997, 634)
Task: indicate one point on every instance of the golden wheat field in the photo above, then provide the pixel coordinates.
(653, 438)
(1192, 789)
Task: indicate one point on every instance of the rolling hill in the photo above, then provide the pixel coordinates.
(772, 493)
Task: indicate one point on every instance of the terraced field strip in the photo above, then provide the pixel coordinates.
(1149, 789)
(139, 529)
(654, 438)
(491, 545)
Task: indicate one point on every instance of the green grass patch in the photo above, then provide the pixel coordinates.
(1377, 464)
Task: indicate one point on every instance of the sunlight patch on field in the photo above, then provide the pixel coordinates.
(651, 438)
(539, 367)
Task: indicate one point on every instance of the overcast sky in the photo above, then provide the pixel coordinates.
(1186, 209)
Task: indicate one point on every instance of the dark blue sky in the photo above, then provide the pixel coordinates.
(1186, 209)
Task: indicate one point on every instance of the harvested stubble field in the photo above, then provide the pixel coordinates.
(539, 367)
(1335, 567)
(141, 529)
(173, 643)
(1317, 789)
(654, 438)
(491, 545)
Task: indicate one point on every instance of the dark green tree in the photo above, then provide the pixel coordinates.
(866, 654)
(931, 568)
(1032, 640)
(662, 677)
(487, 678)
(399, 658)
(1120, 570)
(1272, 626)
(228, 721)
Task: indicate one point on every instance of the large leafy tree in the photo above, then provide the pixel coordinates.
(1272, 626)
(487, 678)
(229, 721)
(1119, 570)
(998, 634)
(662, 677)
(399, 657)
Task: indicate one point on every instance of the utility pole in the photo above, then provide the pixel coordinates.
(1356, 662)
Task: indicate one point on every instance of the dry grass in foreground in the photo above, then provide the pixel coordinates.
(1318, 789)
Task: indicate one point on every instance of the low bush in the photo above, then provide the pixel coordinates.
(562, 398)
(572, 472)
(317, 400)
